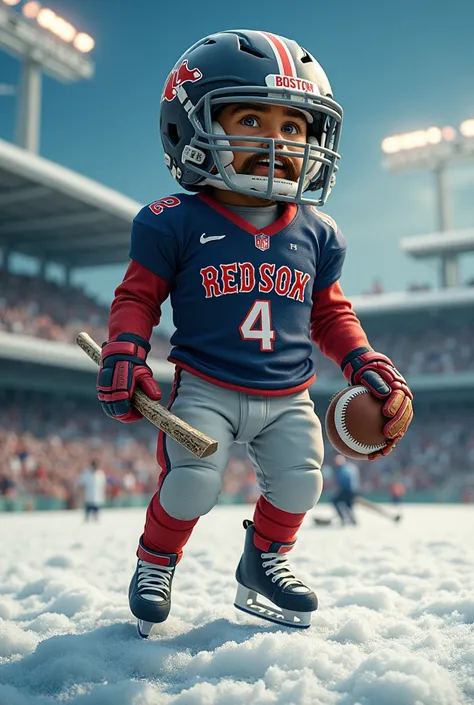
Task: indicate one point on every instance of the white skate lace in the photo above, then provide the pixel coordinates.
(283, 574)
(154, 580)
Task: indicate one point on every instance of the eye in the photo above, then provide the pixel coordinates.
(291, 129)
(249, 121)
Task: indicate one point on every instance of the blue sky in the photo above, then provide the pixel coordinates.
(394, 67)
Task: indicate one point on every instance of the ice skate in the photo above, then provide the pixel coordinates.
(149, 594)
(268, 573)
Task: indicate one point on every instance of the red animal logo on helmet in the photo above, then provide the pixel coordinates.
(177, 77)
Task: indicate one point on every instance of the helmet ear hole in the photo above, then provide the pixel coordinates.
(173, 133)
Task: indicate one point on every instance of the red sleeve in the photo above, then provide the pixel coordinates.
(335, 328)
(136, 307)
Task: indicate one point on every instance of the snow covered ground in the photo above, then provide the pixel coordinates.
(395, 624)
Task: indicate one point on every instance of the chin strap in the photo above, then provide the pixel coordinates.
(259, 184)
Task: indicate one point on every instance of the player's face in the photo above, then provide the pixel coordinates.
(262, 120)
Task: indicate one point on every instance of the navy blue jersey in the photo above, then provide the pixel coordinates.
(241, 298)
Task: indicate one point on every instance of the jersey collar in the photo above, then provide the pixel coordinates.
(281, 223)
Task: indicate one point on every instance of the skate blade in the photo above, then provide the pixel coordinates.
(144, 628)
(246, 600)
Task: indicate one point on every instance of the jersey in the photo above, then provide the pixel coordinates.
(241, 298)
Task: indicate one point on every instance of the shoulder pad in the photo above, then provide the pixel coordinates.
(327, 220)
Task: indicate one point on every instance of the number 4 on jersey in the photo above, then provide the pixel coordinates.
(257, 326)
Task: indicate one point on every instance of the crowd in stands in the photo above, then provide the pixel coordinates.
(444, 347)
(47, 442)
(54, 311)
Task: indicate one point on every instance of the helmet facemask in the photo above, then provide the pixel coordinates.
(210, 153)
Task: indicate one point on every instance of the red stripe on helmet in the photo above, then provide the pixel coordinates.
(283, 54)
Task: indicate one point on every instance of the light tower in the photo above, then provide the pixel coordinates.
(435, 149)
(45, 43)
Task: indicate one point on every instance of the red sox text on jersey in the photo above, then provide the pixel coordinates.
(244, 277)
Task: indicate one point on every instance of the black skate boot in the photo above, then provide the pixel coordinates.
(149, 594)
(267, 572)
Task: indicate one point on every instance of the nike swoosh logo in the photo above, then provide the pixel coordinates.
(203, 239)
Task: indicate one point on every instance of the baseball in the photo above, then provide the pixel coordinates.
(354, 422)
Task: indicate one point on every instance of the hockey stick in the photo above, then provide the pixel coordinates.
(193, 440)
(377, 508)
(322, 521)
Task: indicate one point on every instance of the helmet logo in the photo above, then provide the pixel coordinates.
(177, 77)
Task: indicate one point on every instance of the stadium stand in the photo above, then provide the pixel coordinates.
(45, 309)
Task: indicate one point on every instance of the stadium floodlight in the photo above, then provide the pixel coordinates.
(83, 42)
(433, 149)
(412, 140)
(48, 19)
(467, 128)
(44, 42)
(51, 21)
(31, 9)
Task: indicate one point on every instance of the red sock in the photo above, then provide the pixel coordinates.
(163, 533)
(274, 524)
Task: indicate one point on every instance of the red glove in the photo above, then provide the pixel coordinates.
(377, 372)
(124, 366)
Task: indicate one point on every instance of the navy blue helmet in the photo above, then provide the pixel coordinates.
(247, 66)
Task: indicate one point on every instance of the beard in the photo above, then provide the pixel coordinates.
(251, 162)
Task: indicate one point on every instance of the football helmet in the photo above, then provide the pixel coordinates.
(248, 66)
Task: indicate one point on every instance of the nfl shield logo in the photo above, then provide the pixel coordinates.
(262, 242)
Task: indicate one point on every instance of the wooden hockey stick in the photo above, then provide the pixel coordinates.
(193, 440)
(377, 508)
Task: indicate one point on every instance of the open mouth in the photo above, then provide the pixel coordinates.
(262, 166)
